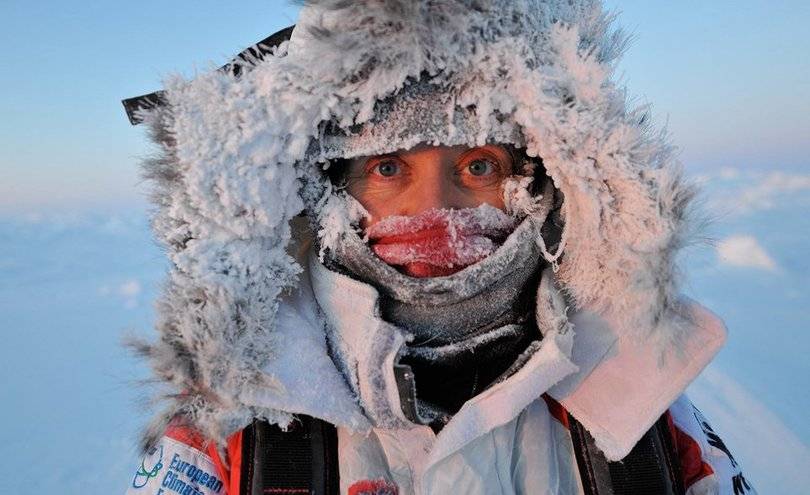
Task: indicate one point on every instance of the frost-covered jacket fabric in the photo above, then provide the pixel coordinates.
(242, 158)
(512, 439)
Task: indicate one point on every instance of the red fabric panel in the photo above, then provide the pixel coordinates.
(557, 410)
(693, 467)
(235, 456)
(186, 435)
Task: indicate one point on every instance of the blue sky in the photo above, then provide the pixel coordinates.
(730, 78)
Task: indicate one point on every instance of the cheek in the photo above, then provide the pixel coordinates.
(471, 198)
(496, 199)
(379, 203)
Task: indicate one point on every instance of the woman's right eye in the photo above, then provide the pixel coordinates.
(388, 168)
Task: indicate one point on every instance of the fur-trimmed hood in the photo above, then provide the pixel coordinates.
(243, 156)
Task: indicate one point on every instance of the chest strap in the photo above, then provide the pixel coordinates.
(301, 460)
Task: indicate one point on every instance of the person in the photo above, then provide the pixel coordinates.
(424, 247)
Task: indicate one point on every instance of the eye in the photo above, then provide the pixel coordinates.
(481, 168)
(388, 168)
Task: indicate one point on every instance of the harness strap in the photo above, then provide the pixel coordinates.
(303, 460)
(300, 460)
(651, 467)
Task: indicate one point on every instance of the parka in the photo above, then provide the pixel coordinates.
(246, 211)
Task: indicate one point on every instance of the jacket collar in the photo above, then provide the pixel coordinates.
(368, 348)
(615, 386)
(623, 386)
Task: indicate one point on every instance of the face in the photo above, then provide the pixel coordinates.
(410, 182)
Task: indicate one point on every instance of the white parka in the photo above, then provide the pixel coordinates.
(507, 439)
(510, 439)
(242, 319)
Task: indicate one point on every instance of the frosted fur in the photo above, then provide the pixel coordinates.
(340, 213)
(241, 157)
(517, 198)
(215, 322)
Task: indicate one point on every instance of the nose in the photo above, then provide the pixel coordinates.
(431, 185)
(433, 189)
(429, 192)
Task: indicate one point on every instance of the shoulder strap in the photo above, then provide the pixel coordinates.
(300, 460)
(651, 467)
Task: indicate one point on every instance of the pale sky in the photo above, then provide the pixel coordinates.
(732, 79)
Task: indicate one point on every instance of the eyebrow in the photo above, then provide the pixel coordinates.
(364, 160)
(488, 149)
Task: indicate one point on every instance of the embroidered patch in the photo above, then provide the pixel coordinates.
(173, 468)
(374, 487)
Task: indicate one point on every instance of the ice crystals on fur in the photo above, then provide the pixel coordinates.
(237, 156)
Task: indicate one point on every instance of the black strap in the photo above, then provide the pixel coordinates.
(246, 58)
(300, 460)
(303, 460)
(651, 467)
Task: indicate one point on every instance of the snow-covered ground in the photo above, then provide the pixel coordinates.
(73, 283)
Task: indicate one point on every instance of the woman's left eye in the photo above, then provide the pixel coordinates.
(481, 168)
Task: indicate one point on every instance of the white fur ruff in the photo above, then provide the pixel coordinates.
(241, 157)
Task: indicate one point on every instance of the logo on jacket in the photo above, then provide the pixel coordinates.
(145, 473)
(738, 481)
